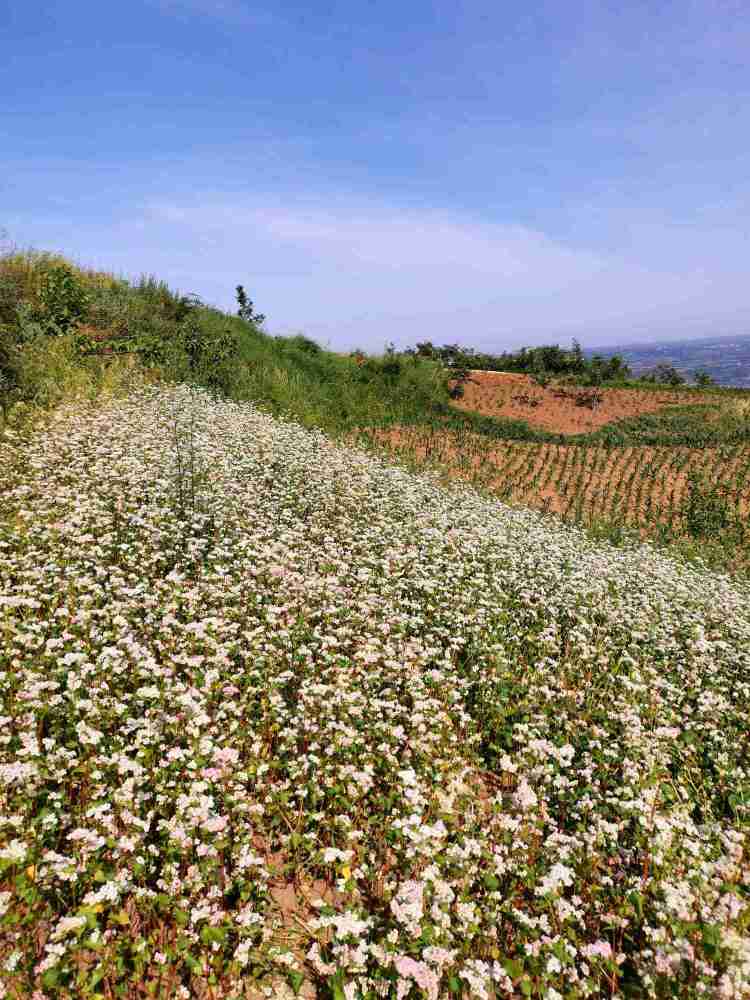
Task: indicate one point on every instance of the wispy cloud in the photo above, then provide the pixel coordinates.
(377, 274)
(479, 172)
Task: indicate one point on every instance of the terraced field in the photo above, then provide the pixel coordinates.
(640, 486)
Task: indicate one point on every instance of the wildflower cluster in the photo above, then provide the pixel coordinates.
(319, 722)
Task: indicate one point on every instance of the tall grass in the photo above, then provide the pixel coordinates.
(178, 338)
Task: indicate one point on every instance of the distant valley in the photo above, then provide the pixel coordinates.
(726, 359)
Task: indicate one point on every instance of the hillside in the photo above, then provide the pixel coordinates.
(280, 715)
(562, 409)
(668, 464)
(62, 326)
(582, 442)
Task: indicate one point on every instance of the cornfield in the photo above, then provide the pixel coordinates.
(647, 488)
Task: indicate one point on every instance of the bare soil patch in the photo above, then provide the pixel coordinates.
(560, 409)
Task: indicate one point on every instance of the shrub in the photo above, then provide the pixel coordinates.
(387, 369)
(47, 370)
(63, 300)
(7, 343)
(304, 344)
(211, 352)
(706, 510)
(664, 374)
(460, 375)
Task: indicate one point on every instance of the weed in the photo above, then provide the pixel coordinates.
(706, 509)
(63, 300)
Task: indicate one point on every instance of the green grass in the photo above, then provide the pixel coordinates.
(700, 425)
(696, 425)
(179, 339)
(321, 389)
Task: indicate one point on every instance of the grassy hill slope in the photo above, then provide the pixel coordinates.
(75, 320)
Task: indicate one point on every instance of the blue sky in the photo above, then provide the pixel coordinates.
(482, 172)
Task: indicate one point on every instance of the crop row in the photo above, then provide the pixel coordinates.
(641, 486)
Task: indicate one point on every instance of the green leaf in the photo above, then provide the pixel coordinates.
(560, 952)
(711, 936)
(296, 979)
(96, 976)
(526, 987)
(191, 962)
(212, 935)
(51, 977)
(336, 984)
(637, 900)
(514, 968)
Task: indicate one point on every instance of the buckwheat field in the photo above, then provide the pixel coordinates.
(279, 718)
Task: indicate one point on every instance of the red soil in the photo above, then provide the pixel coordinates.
(504, 394)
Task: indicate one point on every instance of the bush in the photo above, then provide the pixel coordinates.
(20, 278)
(7, 343)
(541, 363)
(706, 510)
(211, 352)
(387, 369)
(302, 343)
(63, 300)
(664, 374)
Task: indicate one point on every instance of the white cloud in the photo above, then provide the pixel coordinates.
(360, 272)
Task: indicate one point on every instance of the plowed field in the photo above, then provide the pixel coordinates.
(518, 397)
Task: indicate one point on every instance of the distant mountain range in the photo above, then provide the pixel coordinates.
(726, 359)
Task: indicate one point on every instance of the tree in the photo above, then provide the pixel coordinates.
(615, 368)
(576, 361)
(665, 374)
(425, 349)
(702, 379)
(246, 309)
